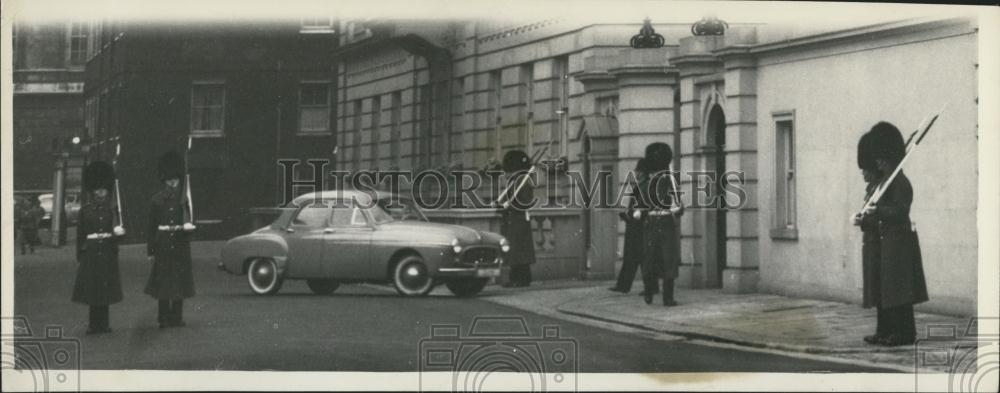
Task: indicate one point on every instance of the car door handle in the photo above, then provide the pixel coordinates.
(327, 230)
(290, 230)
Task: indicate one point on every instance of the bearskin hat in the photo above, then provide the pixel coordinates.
(886, 143)
(658, 156)
(866, 154)
(516, 160)
(642, 165)
(171, 166)
(97, 175)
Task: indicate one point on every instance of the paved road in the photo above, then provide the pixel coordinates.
(359, 328)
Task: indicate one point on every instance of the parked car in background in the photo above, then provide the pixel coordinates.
(333, 237)
(71, 206)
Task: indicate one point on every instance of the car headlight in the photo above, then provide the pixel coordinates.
(457, 248)
(504, 244)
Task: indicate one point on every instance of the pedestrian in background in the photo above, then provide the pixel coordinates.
(632, 250)
(515, 224)
(661, 251)
(29, 222)
(892, 264)
(168, 244)
(98, 283)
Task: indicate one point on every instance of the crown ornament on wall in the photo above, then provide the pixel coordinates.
(709, 25)
(647, 37)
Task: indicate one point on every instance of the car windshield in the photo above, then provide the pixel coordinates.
(402, 209)
(379, 215)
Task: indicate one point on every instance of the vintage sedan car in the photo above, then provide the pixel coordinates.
(400, 207)
(345, 237)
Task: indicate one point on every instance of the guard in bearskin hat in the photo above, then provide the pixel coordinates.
(661, 243)
(98, 283)
(632, 250)
(168, 243)
(892, 265)
(515, 224)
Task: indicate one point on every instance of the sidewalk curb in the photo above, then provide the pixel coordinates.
(728, 340)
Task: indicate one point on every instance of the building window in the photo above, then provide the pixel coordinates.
(317, 25)
(79, 32)
(426, 137)
(356, 157)
(784, 224)
(376, 139)
(396, 119)
(608, 106)
(528, 79)
(314, 107)
(496, 103)
(208, 103)
(562, 73)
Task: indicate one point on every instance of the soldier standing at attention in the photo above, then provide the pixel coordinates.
(896, 281)
(168, 244)
(661, 246)
(632, 250)
(98, 283)
(514, 224)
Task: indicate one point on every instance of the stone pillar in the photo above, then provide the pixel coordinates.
(694, 62)
(742, 269)
(645, 114)
(645, 111)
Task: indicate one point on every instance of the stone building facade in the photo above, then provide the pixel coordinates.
(48, 63)
(780, 107)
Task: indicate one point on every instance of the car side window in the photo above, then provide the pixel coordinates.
(342, 216)
(314, 216)
(358, 218)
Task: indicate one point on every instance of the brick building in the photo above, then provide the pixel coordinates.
(247, 94)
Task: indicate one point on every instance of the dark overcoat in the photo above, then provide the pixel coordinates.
(98, 282)
(901, 273)
(871, 250)
(514, 226)
(171, 277)
(661, 253)
(632, 249)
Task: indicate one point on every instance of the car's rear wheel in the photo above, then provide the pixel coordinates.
(323, 287)
(411, 277)
(263, 277)
(464, 287)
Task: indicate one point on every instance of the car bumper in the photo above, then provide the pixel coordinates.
(477, 272)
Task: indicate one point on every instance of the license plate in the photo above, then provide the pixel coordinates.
(488, 273)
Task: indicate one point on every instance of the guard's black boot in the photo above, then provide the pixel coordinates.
(668, 293)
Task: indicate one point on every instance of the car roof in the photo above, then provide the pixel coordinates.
(360, 196)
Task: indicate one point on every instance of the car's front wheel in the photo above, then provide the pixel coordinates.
(464, 287)
(411, 277)
(323, 287)
(262, 275)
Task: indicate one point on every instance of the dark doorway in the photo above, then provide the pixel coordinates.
(716, 220)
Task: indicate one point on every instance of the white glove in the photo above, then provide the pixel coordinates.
(119, 231)
(188, 226)
(637, 214)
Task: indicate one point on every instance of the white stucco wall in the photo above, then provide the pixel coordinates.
(838, 92)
